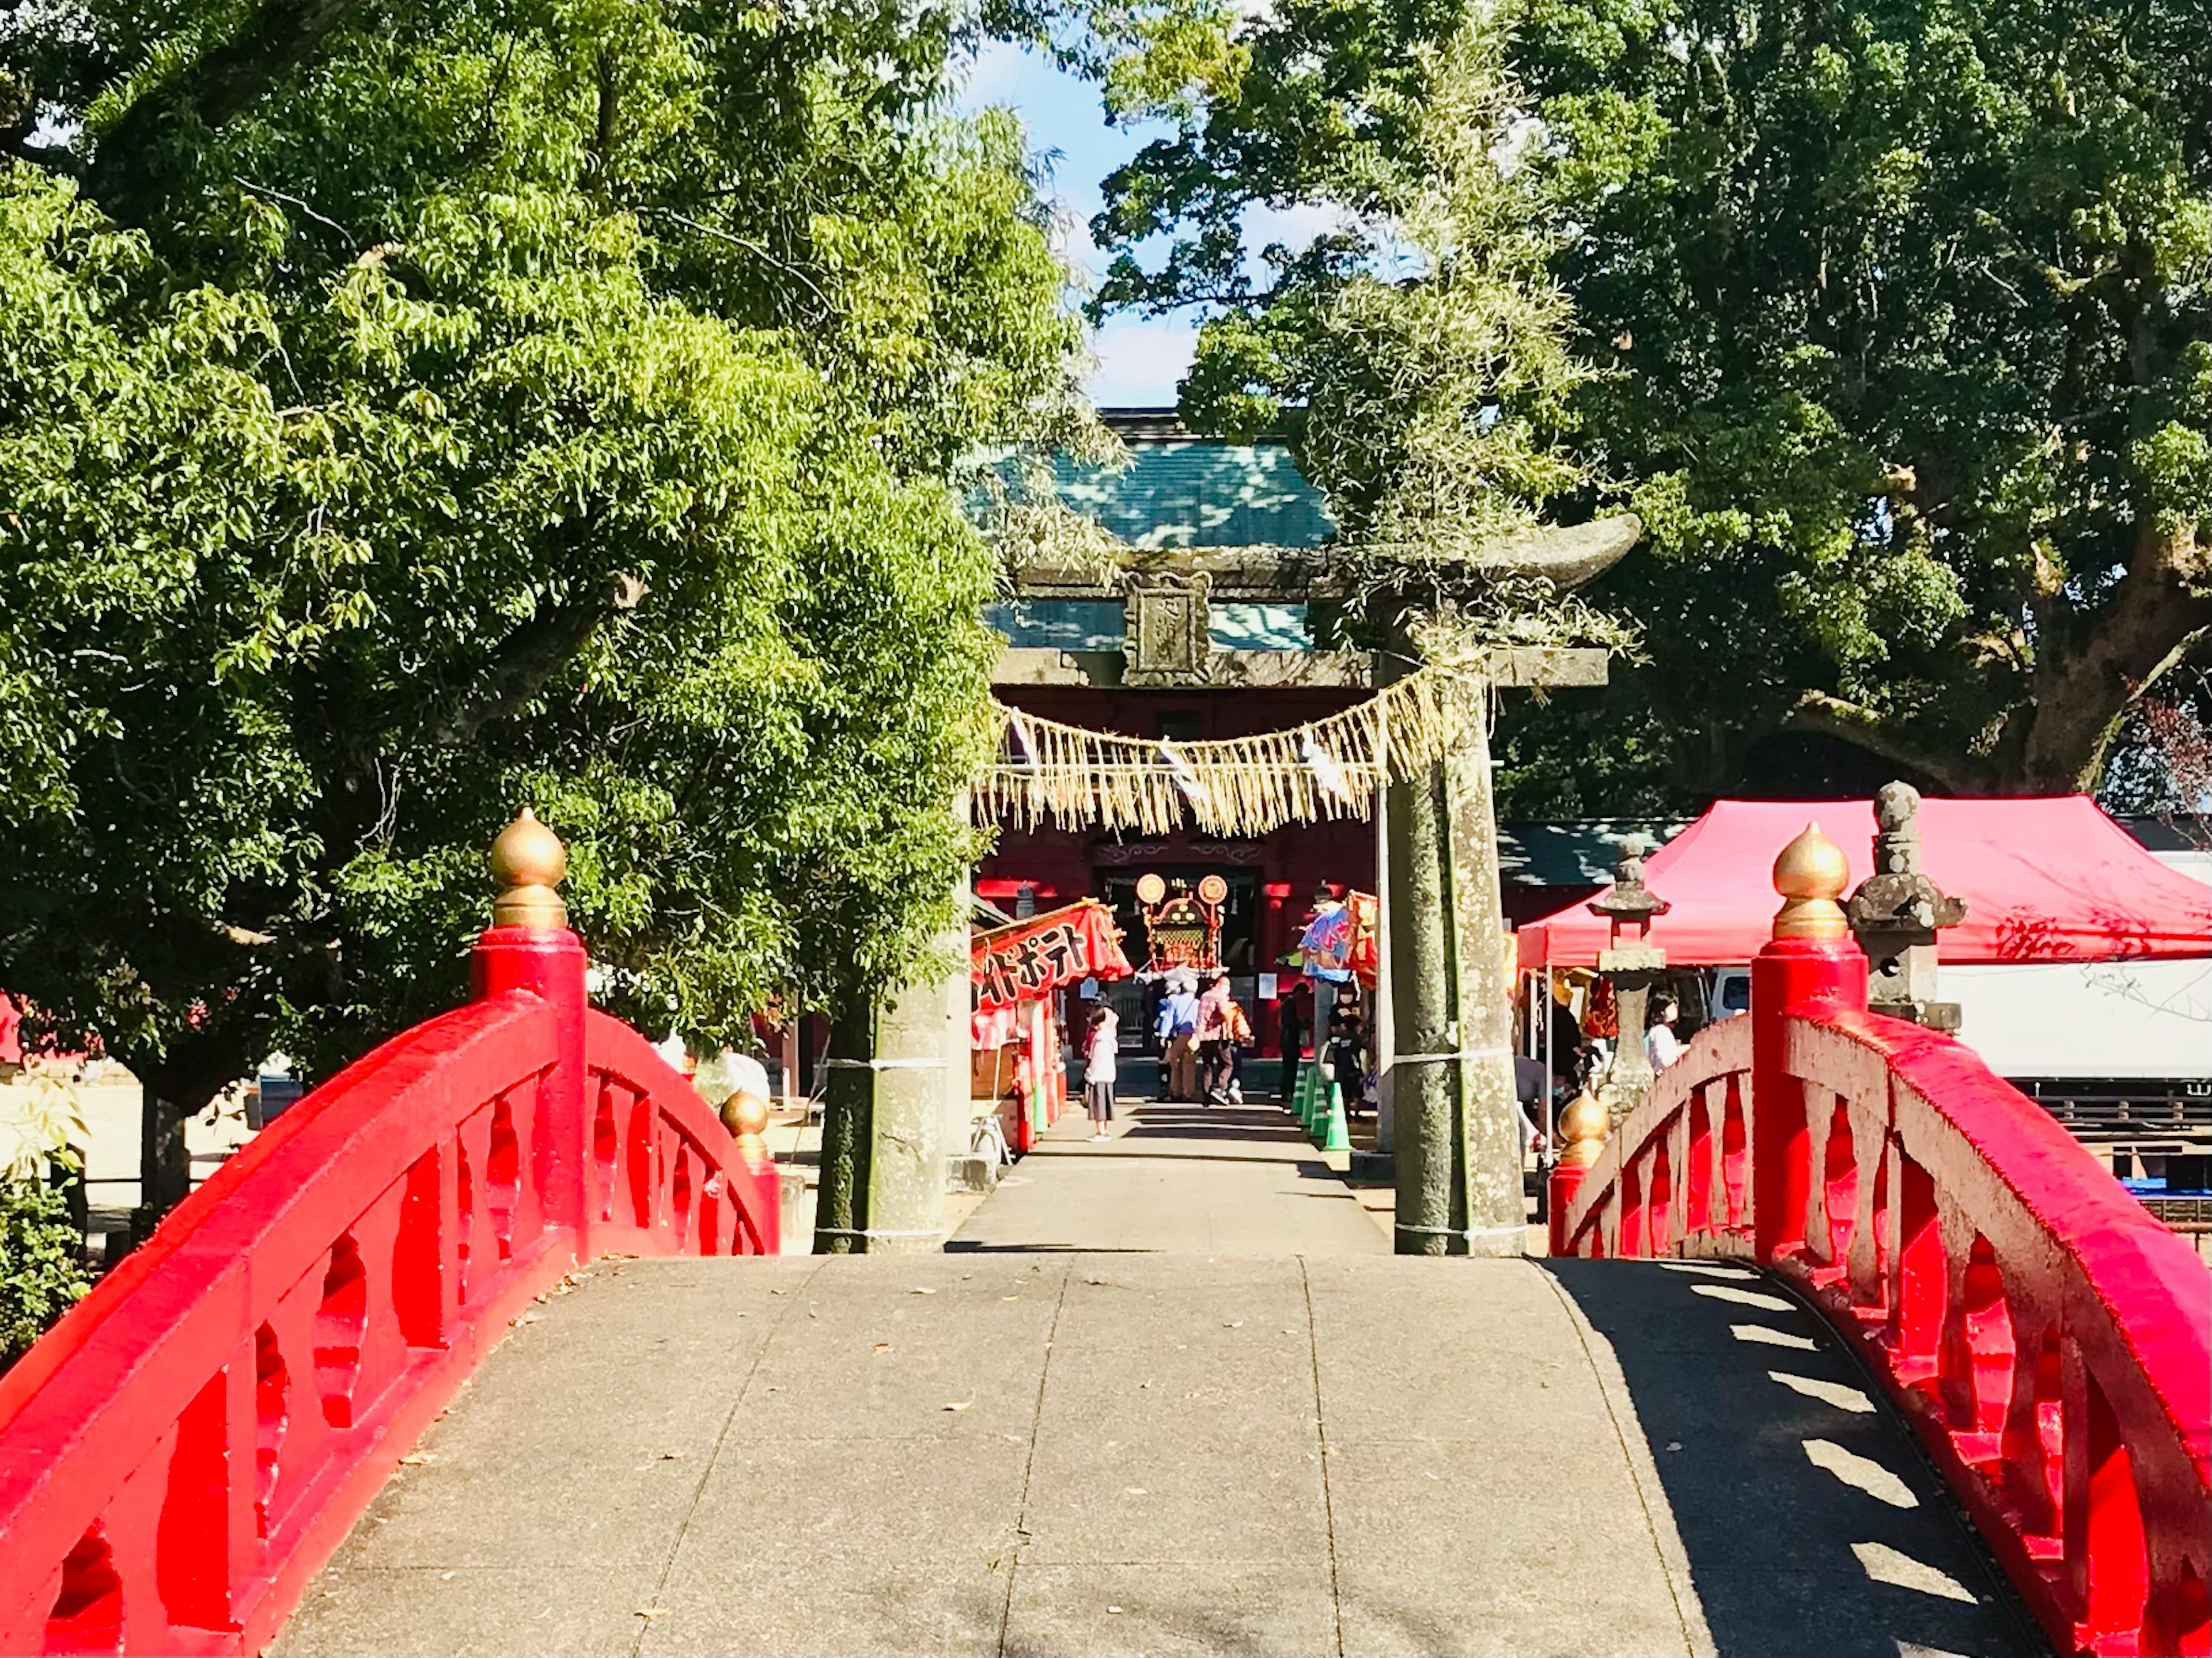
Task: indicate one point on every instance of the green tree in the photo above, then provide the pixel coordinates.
(1905, 313)
(1912, 309)
(410, 412)
(1417, 355)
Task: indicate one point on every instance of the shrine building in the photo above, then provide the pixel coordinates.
(1206, 635)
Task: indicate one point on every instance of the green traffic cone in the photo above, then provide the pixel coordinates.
(1338, 1138)
(1308, 1093)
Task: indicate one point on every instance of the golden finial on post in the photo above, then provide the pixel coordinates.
(1811, 875)
(529, 861)
(1583, 1127)
(744, 1113)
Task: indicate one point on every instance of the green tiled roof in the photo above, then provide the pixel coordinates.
(1196, 493)
(1086, 625)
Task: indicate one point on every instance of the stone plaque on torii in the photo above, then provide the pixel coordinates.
(1449, 1111)
(1168, 638)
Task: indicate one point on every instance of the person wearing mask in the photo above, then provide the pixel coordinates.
(1213, 1040)
(1294, 1013)
(1661, 1045)
(1100, 1044)
(1347, 1047)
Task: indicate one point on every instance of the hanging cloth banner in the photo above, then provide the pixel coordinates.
(1243, 785)
(1340, 943)
(1033, 958)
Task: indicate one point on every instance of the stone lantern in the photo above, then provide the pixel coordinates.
(1894, 915)
(1632, 965)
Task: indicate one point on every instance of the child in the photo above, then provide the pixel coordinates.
(1100, 1041)
(1240, 1038)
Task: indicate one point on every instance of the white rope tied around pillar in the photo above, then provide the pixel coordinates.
(916, 1063)
(1469, 1233)
(1456, 1053)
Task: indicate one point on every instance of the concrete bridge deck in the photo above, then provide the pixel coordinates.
(1063, 1450)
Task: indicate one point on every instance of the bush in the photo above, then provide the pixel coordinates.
(41, 1264)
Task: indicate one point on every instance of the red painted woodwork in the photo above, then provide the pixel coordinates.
(183, 1450)
(2050, 1343)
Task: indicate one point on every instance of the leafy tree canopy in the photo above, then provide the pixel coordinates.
(1418, 356)
(1912, 309)
(409, 412)
(1903, 317)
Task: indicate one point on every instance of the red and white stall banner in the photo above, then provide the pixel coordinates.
(1033, 958)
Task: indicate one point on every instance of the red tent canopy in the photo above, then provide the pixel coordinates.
(2044, 880)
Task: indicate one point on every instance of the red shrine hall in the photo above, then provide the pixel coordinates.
(1204, 644)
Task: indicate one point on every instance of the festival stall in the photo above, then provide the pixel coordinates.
(2044, 880)
(1018, 972)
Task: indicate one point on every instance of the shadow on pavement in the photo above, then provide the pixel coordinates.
(1811, 1520)
(969, 1247)
(1088, 1149)
(1180, 1121)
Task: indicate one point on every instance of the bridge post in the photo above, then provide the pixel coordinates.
(1812, 965)
(528, 947)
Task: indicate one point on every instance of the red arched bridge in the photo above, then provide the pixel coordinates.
(1845, 1347)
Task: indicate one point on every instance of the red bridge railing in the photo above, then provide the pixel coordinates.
(183, 1450)
(2048, 1340)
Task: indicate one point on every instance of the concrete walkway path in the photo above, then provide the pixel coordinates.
(1182, 1179)
(1131, 1453)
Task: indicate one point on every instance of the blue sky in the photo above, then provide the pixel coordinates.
(1140, 358)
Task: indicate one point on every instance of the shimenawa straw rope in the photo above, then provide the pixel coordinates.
(1242, 785)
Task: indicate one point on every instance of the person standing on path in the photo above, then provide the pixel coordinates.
(1213, 1040)
(1347, 1048)
(1292, 1016)
(1240, 1038)
(1100, 1043)
(1178, 1032)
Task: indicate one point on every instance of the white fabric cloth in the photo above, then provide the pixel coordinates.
(1662, 1047)
(1099, 1058)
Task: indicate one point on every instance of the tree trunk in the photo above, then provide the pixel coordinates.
(165, 1167)
(2078, 693)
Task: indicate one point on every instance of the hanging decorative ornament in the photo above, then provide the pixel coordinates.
(1017, 737)
(1327, 775)
(1185, 777)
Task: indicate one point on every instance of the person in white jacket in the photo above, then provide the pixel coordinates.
(1101, 1040)
(1661, 1045)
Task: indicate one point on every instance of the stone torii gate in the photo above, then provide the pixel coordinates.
(1450, 1114)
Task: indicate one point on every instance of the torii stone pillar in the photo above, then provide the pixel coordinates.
(898, 1084)
(1457, 1121)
